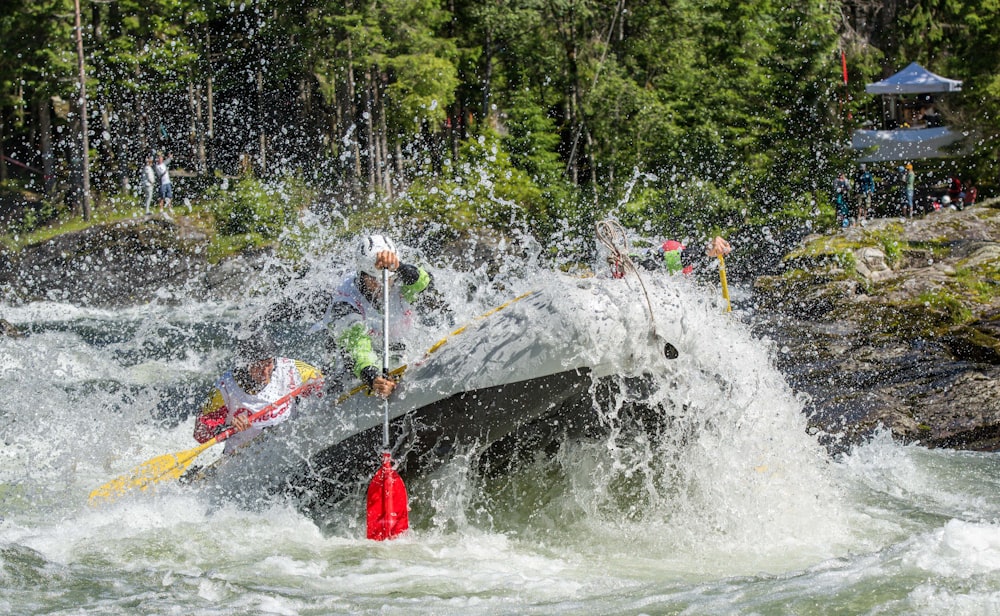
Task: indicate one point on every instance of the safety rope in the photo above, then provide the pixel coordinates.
(612, 235)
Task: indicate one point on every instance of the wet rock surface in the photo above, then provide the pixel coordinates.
(894, 324)
(127, 262)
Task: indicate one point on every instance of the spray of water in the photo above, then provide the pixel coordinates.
(711, 444)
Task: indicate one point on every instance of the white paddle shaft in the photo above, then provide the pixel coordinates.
(385, 354)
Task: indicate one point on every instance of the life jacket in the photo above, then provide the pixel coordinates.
(286, 376)
(673, 258)
(400, 312)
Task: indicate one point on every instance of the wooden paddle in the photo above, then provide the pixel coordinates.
(173, 465)
(388, 508)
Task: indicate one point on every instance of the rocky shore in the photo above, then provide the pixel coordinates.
(894, 325)
(128, 262)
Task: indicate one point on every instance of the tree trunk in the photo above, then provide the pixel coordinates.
(3, 153)
(487, 71)
(197, 137)
(44, 111)
(593, 167)
(369, 129)
(209, 100)
(115, 165)
(383, 132)
(205, 119)
(262, 154)
(82, 105)
(352, 113)
(261, 129)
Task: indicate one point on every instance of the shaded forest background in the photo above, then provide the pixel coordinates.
(679, 118)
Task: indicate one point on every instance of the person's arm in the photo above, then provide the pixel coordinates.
(212, 419)
(359, 352)
(718, 247)
(414, 281)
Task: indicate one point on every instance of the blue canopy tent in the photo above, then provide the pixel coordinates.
(923, 139)
(914, 79)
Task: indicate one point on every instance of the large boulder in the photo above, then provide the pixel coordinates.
(895, 325)
(119, 263)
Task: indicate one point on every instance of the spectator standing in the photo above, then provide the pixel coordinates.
(968, 197)
(911, 179)
(163, 173)
(901, 183)
(148, 183)
(864, 184)
(841, 197)
(955, 190)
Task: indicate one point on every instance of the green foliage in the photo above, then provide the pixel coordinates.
(680, 117)
(423, 89)
(982, 283)
(221, 247)
(847, 261)
(949, 308)
(251, 207)
(890, 240)
(679, 206)
(483, 188)
(35, 216)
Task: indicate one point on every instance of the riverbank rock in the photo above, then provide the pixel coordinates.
(7, 329)
(894, 325)
(120, 263)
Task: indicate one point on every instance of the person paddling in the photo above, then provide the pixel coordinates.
(353, 319)
(259, 379)
(672, 256)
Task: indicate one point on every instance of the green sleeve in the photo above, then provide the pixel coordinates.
(411, 291)
(357, 345)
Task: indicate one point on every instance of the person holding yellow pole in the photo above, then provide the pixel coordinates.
(719, 247)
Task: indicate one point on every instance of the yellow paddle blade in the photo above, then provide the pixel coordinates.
(160, 468)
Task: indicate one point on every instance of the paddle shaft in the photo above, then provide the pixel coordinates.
(221, 436)
(385, 355)
(387, 508)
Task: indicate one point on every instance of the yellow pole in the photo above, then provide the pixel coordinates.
(725, 287)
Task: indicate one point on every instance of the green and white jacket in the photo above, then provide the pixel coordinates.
(354, 320)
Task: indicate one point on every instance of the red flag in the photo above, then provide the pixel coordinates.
(843, 65)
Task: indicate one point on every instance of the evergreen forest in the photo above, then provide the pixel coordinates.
(677, 117)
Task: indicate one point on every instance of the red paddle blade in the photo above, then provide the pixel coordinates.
(388, 511)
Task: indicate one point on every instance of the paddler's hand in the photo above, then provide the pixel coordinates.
(383, 387)
(718, 248)
(241, 423)
(387, 260)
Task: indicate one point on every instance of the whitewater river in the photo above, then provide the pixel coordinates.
(733, 510)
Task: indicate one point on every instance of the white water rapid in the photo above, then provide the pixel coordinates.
(729, 507)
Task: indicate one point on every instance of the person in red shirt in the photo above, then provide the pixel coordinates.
(955, 190)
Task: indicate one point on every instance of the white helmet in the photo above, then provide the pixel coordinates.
(946, 199)
(368, 249)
